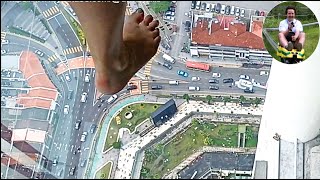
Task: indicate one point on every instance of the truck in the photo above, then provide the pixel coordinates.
(168, 58)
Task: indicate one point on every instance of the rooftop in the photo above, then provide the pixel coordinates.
(225, 32)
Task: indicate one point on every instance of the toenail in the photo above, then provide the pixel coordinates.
(139, 10)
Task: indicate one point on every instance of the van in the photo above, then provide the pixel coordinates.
(168, 58)
(112, 99)
(174, 82)
(192, 88)
(84, 97)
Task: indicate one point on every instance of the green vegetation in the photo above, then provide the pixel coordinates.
(160, 158)
(117, 145)
(209, 98)
(25, 33)
(46, 25)
(29, 5)
(251, 136)
(303, 14)
(140, 112)
(186, 97)
(103, 173)
(160, 6)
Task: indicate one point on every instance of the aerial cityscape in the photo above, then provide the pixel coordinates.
(194, 111)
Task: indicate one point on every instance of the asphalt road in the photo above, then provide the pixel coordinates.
(161, 75)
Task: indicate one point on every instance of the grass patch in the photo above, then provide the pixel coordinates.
(160, 6)
(140, 111)
(46, 25)
(160, 159)
(25, 33)
(103, 173)
(312, 39)
(251, 136)
(29, 5)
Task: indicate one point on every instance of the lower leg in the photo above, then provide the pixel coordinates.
(282, 39)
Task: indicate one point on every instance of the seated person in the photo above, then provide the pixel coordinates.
(291, 33)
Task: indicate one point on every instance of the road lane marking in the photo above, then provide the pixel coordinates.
(78, 135)
(82, 118)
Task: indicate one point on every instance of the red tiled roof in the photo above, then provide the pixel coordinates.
(41, 85)
(236, 36)
(257, 28)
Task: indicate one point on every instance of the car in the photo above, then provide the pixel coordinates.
(248, 90)
(264, 73)
(74, 152)
(172, 9)
(40, 53)
(55, 161)
(208, 7)
(83, 163)
(228, 9)
(218, 8)
(84, 97)
(232, 11)
(243, 76)
(112, 99)
(182, 73)
(193, 88)
(193, 4)
(72, 170)
(195, 78)
(3, 51)
(70, 94)
(102, 100)
(169, 13)
(257, 13)
(203, 6)
(262, 13)
(223, 9)
(170, 18)
(216, 75)
(242, 13)
(228, 80)
(156, 87)
(87, 78)
(66, 109)
(4, 41)
(214, 81)
(198, 3)
(214, 87)
(79, 149)
(68, 77)
(71, 11)
(168, 66)
(187, 26)
(237, 11)
(99, 105)
(105, 109)
(84, 136)
(213, 7)
(77, 126)
(93, 128)
(131, 87)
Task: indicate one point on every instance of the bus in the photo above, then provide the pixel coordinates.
(198, 66)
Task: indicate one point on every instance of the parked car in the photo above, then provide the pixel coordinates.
(170, 18)
(243, 76)
(223, 9)
(208, 7)
(193, 4)
(182, 73)
(237, 11)
(228, 9)
(131, 87)
(214, 81)
(214, 87)
(170, 13)
(3, 51)
(218, 8)
(232, 11)
(40, 53)
(242, 13)
(228, 80)
(213, 7)
(203, 6)
(5, 41)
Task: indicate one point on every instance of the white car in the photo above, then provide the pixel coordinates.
(66, 109)
(83, 136)
(84, 97)
(112, 99)
(195, 78)
(243, 76)
(39, 53)
(242, 13)
(86, 78)
(264, 73)
(4, 41)
(216, 75)
(223, 8)
(237, 11)
(208, 7)
(232, 10)
(3, 51)
(171, 18)
(68, 77)
(213, 7)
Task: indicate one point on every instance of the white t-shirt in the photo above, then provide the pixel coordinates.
(283, 26)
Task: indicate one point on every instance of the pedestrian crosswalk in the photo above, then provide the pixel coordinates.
(3, 35)
(128, 11)
(72, 50)
(144, 87)
(52, 58)
(147, 67)
(51, 11)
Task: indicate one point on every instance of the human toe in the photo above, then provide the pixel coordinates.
(147, 20)
(155, 33)
(153, 25)
(137, 16)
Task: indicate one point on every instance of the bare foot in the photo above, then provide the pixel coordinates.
(140, 43)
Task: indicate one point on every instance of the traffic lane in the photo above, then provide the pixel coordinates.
(67, 29)
(45, 5)
(60, 30)
(9, 18)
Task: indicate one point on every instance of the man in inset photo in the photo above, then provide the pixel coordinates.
(291, 35)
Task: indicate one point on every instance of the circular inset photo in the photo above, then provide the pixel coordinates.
(291, 32)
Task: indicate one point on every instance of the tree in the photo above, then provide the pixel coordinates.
(226, 99)
(159, 7)
(186, 97)
(117, 145)
(209, 98)
(257, 101)
(242, 98)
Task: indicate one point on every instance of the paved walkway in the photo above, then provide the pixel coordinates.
(75, 63)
